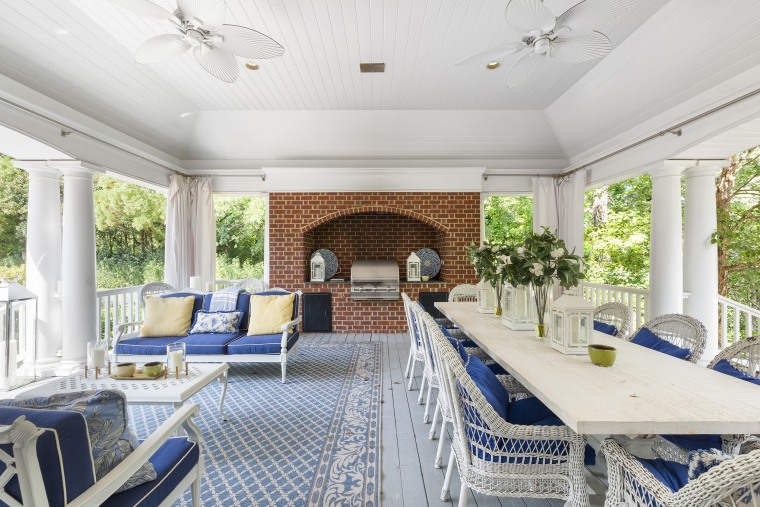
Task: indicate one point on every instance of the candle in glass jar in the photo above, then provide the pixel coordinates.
(209, 286)
(175, 359)
(98, 358)
(195, 282)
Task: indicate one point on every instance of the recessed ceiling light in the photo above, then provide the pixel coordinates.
(372, 67)
(493, 65)
(252, 66)
(185, 115)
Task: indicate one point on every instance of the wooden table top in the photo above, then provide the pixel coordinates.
(644, 392)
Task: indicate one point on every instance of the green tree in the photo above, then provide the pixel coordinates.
(508, 218)
(240, 232)
(13, 200)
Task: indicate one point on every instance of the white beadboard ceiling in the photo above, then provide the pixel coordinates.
(312, 104)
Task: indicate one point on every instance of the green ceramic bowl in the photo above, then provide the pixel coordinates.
(152, 369)
(602, 355)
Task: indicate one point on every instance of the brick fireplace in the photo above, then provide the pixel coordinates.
(370, 225)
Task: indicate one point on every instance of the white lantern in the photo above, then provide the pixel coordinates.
(516, 305)
(317, 268)
(18, 336)
(571, 324)
(486, 297)
(413, 268)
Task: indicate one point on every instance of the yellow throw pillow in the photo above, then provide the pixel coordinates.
(269, 313)
(167, 316)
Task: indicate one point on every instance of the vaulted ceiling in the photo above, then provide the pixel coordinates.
(314, 105)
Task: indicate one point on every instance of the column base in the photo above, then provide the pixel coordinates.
(69, 367)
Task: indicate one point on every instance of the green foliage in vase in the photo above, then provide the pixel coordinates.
(543, 258)
(490, 260)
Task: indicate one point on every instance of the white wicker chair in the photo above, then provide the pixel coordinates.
(416, 354)
(680, 330)
(429, 370)
(632, 485)
(528, 461)
(465, 293)
(616, 314)
(155, 289)
(252, 285)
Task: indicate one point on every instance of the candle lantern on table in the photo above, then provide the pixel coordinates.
(176, 358)
(18, 336)
(486, 297)
(572, 322)
(516, 302)
(97, 357)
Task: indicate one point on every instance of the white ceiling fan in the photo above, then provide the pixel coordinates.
(199, 26)
(571, 37)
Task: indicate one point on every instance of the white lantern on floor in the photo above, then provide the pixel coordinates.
(413, 268)
(317, 268)
(18, 335)
(516, 305)
(486, 297)
(571, 323)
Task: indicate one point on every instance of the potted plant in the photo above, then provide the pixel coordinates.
(490, 261)
(540, 260)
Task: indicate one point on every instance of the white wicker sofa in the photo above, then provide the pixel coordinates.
(236, 347)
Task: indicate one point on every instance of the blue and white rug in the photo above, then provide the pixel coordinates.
(313, 441)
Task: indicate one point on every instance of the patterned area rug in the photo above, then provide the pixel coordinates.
(313, 441)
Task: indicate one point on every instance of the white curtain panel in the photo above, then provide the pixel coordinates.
(570, 203)
(544, 204)
(190, 231)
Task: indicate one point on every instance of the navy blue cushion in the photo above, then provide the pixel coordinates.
(671, 474)
(261, 344)
(724, 366)
(243, 305)
(489, 385)
(528, 411)
(66, 431)
(605, 328)
(202, 343)
(172, 461)
(695, 442)
(648, 339)
(197, 303)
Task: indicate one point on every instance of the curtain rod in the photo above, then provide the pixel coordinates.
(67, 130)
(674, 129)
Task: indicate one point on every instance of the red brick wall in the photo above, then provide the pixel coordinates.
(369, 225)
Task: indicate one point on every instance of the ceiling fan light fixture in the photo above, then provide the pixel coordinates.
(252, 66)
(493, 65)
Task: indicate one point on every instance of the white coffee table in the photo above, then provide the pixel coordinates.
(169, 391)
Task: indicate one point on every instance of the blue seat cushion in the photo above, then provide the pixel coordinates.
(489, 385)
(648, 339)
(605, 328)
(203, 343)
(172, 461)
(528, 411)
(724, 366)
(63, 451)
(669, 473)
(243, 305)
(261, 344)
(695, 442)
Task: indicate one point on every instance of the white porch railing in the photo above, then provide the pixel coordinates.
(743, 319)
(636, 299)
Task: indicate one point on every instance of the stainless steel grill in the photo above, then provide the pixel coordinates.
(375, 280)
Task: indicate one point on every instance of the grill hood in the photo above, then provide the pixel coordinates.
(375, 279)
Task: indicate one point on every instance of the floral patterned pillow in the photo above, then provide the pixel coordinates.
(216, 322)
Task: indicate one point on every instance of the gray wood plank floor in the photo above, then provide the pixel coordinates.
(407, 452)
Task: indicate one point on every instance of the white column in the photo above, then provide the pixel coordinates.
(666, 253)
(43, 258)
(80, 319)
(700, 269)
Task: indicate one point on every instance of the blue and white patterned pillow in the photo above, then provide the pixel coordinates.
(702, 460)
(216, 322)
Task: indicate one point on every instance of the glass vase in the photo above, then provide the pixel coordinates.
(175, 358)
(542, 296)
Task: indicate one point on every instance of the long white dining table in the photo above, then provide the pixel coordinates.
(644, 392)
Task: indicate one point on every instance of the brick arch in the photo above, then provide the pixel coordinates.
(375, 209)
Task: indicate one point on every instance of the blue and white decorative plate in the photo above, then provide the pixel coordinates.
(431, 263)
(331, 262)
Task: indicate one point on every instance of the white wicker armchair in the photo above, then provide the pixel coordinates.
(416, 354)
(616, 314)
(429, 370)
(495, 457)
(727, 484)
(465, 293)
(680, 330)
(155, 289)
(252, 285)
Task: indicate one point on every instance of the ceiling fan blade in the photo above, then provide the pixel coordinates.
(492, 54)
(591, 15)
(580, 49)
(217, 63)
(148, 10)
(161, 48)
(525, 16)
(248, 43)
(208, 13)
(523, 68)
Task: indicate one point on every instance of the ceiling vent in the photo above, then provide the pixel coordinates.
(372, 67)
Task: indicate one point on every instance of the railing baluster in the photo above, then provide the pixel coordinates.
(723, 324)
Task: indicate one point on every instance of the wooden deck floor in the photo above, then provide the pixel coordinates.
(407, 454)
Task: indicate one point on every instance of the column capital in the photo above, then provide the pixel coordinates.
(706, 168)
(668, 168)
(77, 168)
(40, 168)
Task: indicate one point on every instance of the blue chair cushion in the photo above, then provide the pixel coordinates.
(197, 303)
(261, 344)
(648, 339)
(63, 449)
(724, 366)
(203, 343)
(528, 411)
(243, 305)
(605, 328)
(695, 442)
(489, 385)
(671, 474)
(173, 461)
